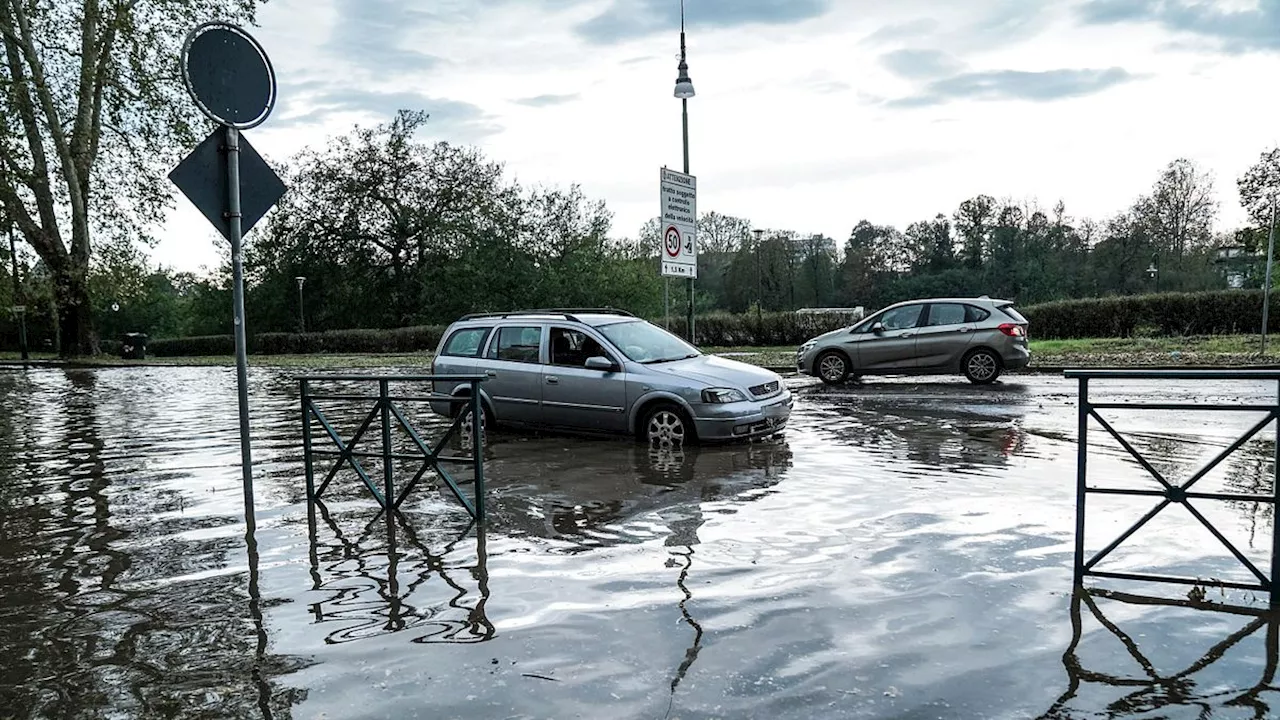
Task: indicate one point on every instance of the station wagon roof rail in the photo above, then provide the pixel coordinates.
(569, 314)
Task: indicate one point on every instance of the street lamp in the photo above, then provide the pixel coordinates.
(1153, 270)
(302, 318)
(759, 300)
(684, 91)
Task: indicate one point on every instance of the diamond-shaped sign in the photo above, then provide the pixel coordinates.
(202, 177)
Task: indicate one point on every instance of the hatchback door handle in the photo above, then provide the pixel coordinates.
(965, 329)
(552, 380)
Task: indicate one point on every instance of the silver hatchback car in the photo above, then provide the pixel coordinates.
(977, 337)
(606, 371)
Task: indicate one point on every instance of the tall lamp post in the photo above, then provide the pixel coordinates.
(684, 91)
(19, 309)
(759, 291)
(302, 316)
(1266, 292)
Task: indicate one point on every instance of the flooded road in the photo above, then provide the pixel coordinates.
(904, 551)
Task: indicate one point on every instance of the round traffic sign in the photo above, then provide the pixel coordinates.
(228, 75)
(672, 241)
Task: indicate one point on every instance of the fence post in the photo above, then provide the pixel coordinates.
(1082, 457)
(1275, 512)
(304, 387)
(477, 429)
(388, 479)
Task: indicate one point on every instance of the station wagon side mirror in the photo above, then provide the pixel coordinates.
(600, 363)
(877, 327)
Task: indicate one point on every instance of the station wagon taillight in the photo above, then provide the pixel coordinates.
(1013, 330)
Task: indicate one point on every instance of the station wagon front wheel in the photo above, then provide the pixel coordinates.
(666, 426)
(833, 367)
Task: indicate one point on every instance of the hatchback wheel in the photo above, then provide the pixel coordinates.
(982, 367)
(833, 367)
(666, 426)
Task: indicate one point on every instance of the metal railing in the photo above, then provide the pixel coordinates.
(1170, 493)
(388, 413)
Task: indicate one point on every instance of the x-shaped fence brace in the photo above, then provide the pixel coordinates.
(433, 458)
(1170, 493)
(1158, 690)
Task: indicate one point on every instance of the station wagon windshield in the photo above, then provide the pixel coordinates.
(646, 343)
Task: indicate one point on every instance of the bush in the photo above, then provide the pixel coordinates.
(1224, 312)
(765, 329)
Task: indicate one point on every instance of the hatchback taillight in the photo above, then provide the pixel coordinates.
(1013, 330)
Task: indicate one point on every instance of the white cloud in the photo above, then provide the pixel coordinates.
(793, 126)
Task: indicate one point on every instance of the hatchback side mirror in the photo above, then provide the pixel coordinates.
(603, 364)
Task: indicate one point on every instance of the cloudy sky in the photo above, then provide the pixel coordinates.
(810, 114)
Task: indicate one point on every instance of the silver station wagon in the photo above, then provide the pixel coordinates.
(979, 338)
(606, 371)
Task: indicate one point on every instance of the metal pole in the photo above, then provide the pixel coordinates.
(684, 103)
(1082, 456)
(232, 151)
(1275, 530)
(302, 315)
(666, 297)
(18, 299)
(304, 387)
(477, 426)
(388, 479)
(1266, 294)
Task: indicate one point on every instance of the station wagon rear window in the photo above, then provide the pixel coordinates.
(517, 344)
(466, 343)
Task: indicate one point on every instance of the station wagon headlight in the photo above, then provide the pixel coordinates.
(720, 396)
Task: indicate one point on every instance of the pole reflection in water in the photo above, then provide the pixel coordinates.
(1155, 691)
(369, 597)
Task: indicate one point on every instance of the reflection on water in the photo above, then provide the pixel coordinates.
(1146, 688)
(387, 580)
(903, 552)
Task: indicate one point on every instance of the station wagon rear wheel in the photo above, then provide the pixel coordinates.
(832, 367)
(666, 426)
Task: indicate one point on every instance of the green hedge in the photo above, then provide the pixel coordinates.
(1209, 313)
(1226, 312)
(399, 340)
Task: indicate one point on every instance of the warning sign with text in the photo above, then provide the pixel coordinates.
(679, 224)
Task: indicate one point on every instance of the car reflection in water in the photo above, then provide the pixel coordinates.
(932, 425)
(575, 495)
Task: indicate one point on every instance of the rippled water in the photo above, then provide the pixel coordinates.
(904, 552)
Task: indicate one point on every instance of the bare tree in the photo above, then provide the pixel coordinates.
(1181, 209)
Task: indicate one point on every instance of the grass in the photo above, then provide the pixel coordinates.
(1225, 350)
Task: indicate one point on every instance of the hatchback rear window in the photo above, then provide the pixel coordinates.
(466, 342)
(1012, 312)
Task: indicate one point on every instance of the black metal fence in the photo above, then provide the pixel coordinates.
(1168, 492)
(387, 412)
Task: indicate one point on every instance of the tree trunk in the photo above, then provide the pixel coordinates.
(75, 313)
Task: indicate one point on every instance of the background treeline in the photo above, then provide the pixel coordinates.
(392, 232)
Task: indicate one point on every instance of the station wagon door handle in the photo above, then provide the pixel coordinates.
(491, 373)
(907, 335)
(553, 380)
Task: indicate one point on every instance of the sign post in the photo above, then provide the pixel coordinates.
(679, 194)
(232, 82)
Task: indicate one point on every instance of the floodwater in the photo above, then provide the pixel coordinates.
(905, 551)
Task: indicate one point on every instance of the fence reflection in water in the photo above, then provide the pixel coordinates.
(387, 580)
(1152, 691)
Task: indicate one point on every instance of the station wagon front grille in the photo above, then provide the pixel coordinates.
(766, 390)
